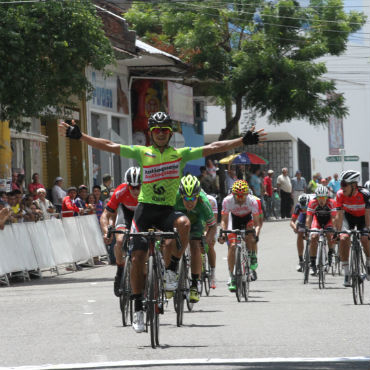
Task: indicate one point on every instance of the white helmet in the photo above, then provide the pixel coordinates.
(303, 200)
(367, 185)
(350, 176)
(132, 176)
(322, 191)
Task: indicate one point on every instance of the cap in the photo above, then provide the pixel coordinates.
(270, 171)
(71, 188)
(58, 179)
(82, 187)
(41, 190)
(298, 172)
(106, 177)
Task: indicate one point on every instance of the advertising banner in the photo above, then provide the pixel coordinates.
(180, 102)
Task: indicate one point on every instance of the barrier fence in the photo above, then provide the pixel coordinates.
(45, 245)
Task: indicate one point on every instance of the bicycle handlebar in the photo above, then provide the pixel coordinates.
(237, 232)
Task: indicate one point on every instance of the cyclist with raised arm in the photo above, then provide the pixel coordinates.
(321, 213)
(121, 207)
(161, 170)
(298, 224)
(243, 209)
(353, 209)
(192, 201)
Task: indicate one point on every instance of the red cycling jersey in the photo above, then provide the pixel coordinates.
(122, 196)
(354, 205)
(69, 208)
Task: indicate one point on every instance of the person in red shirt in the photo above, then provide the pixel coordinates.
(69, 208)
(353, 210)
(121, 206)
(34, 185)
(267, 182)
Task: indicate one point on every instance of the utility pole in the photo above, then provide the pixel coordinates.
(342, 152)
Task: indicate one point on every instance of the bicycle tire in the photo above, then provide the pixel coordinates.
(306, 265)
(125, 296)
(152, 312)
(202, 276)
(179, 295)
(354, 275)
(246, 280)
(238, 275)
(189, 305)
(206, 280)
(321, 266)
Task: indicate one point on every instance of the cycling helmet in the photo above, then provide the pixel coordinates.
(132, 176)
(367, 185)
(350, 176)
(303, 199)
(189, 186)
(240, 187)
(159, 118)
(322, 191)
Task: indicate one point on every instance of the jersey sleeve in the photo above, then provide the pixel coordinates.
(339, 200)
(113, 203)
(131, 151)
(188, 154)
(254, 204)
(208, 213)
(311, 208)
(296, 212)
(225, 209)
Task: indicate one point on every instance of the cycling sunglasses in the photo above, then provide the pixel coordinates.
(157, 129)
(137, 187)
(190, 199)
(240, 195)
(343, 184)
(322, 198)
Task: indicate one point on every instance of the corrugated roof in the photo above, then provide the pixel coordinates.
(152, 50)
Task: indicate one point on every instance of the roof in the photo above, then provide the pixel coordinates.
(152, 50)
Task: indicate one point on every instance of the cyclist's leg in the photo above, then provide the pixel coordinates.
(212, 262)
(300, 247)
(196, 267)
(361, 225)
(344, 248)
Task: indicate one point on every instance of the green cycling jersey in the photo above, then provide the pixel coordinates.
(202, 212)
(160, 172)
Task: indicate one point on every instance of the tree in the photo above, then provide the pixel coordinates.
(262, 55)
(44, 50)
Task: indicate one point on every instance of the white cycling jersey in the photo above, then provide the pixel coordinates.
(213, 202)
(250, 205)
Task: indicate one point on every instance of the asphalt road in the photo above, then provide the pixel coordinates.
(74, 319)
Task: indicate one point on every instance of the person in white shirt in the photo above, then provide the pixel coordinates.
(44, 204)
(58, 194)
(284, 186)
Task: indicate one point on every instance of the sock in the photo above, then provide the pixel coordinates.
(313, 261)
(194, 280)
(231, 275)
(213, 270)
(173, 263)
(300, 258)
(119, 269)
(138, 302)
(345, 266)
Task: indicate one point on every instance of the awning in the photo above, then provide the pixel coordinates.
(28, 135)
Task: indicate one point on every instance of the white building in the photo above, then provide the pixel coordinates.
(298, 145)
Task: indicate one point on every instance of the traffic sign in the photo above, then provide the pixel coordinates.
(333, 158)
(351, 158)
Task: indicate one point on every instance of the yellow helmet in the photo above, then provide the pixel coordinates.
(240, 187)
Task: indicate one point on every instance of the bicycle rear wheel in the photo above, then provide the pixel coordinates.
(207, 271)
(125, 297)
(238, 274)
(321, 266)
(362, 277)
(306, 272)
(180, 294)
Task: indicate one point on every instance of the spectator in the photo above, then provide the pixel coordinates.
(324, 182)
(255, 182)
(18, 196)
(35, 213)
(16, 211)
(69, 208)
(106, 187)
(334, 185)
(284, 186)
(4, 214)
(299, 186)
(20, 183)
(58, 194)
(230, 178)
(98, 202)
(211, 168)
(312, 185)
(32, 214)
(81, 200)
(90, 204)
(267, 181)
(4, 198)
(34, 185)
(14, 181)
(207, 183)
(44, 204)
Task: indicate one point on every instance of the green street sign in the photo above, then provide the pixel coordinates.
(333, 158)
(351, 158)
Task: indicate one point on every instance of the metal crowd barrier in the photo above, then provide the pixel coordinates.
(45, 245)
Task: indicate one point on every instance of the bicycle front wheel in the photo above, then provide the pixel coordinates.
(321, 266)
(125, 297)
(180, 294)
(238, 275)
(306, 272)
(152, 304)
(246, 279)
(207, 271)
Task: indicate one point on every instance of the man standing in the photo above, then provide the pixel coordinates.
(58, 194)
(267, 181)
(34, 185)
(334, 185)
(255, 182)
(106, 187)
(299, 186)
(312, 185)
(284, 186)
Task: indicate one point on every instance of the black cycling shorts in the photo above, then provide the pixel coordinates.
(124, 218)
(241, 223)
(148, 216)
(350, 221)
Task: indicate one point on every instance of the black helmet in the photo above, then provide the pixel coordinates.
(159, 118)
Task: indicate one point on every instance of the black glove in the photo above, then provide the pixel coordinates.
(251, 138)
(73, 132)
(257, 238)
(335, 236)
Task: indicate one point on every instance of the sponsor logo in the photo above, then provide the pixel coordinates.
(161, 171)
(158, 199)
(151, 155)
(158, 190)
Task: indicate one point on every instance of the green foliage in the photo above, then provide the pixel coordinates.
(44, 50)
(259, 53)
